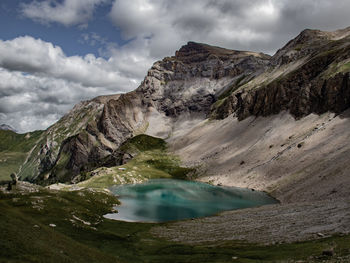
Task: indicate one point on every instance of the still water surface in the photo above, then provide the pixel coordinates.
(162, 200)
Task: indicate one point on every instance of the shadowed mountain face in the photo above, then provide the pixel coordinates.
(309, 75)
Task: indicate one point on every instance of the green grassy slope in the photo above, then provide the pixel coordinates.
(14, 149)
(68, 226)
(142, 143)
(83, 235)
(151, 160)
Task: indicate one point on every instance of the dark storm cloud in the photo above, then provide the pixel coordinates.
(260, 25)
(233, 8)
(194, 22)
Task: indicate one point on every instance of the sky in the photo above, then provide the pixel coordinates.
(55, 53)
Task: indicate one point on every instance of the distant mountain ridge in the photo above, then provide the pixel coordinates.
(6, 127)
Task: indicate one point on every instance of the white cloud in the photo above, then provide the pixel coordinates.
(38, 57)
(29, 102)
(68, 12)
(170, 24)
(258, 25)
(39, 83)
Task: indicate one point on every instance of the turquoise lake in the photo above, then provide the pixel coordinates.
(162, 200)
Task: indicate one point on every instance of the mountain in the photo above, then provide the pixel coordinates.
(175, 89)
(277, 124)
(5, 127)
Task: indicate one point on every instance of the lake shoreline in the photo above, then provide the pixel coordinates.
(165, 200)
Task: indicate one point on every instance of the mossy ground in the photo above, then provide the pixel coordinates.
(81, 234)
(9, 163)
(345, 67)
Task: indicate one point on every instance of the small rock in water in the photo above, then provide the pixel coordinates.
(36, 226)
(234, 258)
(52, 225)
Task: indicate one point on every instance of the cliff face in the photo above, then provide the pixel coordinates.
(309, 75)
(190, 81)
(184, 85)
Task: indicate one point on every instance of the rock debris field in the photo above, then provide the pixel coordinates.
(268, 224)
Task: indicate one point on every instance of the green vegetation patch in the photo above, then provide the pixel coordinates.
(14, 142)
(60, 171)
(68, 226)
(336, 68)
(10, 163)
(150, 160)
(345, 67)
(43, 226)
(14, 148)
(142, 143)
(146, 165)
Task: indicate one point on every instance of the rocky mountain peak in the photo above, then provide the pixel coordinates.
(308, 36)
(190, 81)
(192, 47)
(307, 43)
(197, 52)
(194, 52)
(299, 47)
(338, 34)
